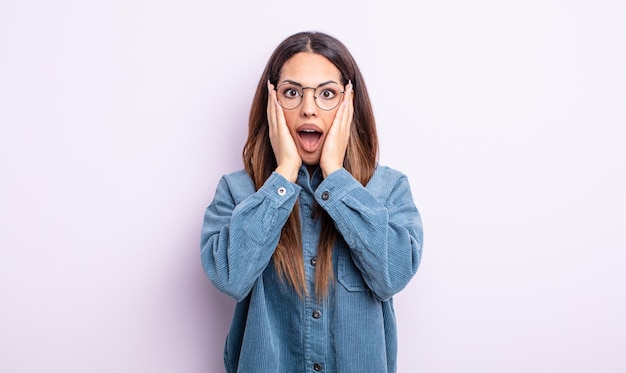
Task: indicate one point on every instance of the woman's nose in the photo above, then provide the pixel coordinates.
(309, 107)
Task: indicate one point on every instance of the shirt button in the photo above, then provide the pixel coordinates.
(314, 261)
(325, 195)
(317, 367)
(317, 314)
(281, 191)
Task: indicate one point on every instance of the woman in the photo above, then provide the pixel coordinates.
(314, 237)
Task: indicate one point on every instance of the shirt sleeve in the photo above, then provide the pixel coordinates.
(238, 238)
(380, 224)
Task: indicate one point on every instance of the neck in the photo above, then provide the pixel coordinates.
(311, 169)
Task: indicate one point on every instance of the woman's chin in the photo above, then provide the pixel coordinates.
(310, 159)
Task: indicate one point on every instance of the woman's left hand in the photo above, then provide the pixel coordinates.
(336, 142)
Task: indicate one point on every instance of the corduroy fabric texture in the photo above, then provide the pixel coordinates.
(377, 253)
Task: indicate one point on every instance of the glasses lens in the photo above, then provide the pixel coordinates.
(289, 96)
(328, 96)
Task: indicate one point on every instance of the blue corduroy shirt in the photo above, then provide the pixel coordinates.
(377, 253)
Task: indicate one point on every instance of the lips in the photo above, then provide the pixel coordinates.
(309, 137)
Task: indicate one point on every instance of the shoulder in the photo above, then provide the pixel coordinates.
(237, 176)
(390, 185)
(387, 174)
(388, 171)
(238, 183)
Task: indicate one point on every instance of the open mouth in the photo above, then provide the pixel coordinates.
(309, 138)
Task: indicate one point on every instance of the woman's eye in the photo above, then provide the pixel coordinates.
(291, 93)
(328, 93)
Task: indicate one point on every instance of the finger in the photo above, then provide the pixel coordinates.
(344, 114)
(351, 105)
(271, 109)
(349, 93)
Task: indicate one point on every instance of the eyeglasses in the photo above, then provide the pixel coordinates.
(326, 96)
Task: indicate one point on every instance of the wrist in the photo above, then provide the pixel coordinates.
(327, 170)
(288, 172)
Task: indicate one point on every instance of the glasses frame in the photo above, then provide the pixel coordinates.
(314, 96)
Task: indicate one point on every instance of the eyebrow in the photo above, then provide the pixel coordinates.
(300, 84)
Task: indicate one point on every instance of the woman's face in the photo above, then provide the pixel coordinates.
(308, 123)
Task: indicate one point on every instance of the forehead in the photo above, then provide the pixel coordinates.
(309, 69)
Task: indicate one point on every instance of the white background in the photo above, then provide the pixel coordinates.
(118, 118)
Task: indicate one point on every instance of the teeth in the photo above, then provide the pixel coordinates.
(309, 131)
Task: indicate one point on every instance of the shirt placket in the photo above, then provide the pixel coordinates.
(315, 324)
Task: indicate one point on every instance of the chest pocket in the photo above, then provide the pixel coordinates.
(349, 275)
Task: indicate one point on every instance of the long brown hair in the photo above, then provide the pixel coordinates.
(360, 160)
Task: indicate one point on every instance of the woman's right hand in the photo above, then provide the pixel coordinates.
(284, 147)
